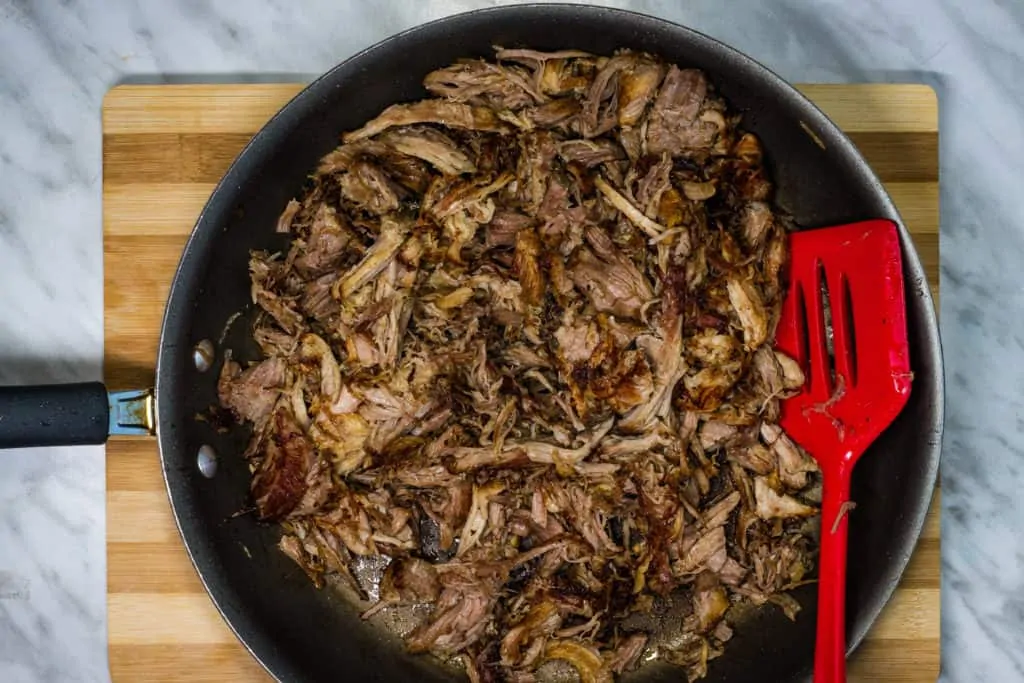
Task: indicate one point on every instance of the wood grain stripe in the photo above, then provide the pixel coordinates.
(877, 106)
(900, 660)
(197, 108)
(933, 522)
(170, 157)
(918, 204)
(900, 157)
(150, 568)
(170, 209)
(196, 663)
(155, 258)
(186, 618)
(245, 108)
(137, 272)
(204, 157)
(133, 465)
(153, 567)
(123, 373)
(923, 570)
(142, 517)
(911, 613)
(160, 208)
(152, 618)
(894, 661)
(142, 565)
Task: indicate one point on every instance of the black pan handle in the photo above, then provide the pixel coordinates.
(71, 414)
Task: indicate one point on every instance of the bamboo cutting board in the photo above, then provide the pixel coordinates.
(164, 148)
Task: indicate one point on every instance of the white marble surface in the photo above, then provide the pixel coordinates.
(57, 59)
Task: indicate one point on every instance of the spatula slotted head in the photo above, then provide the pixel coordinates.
(844, 321)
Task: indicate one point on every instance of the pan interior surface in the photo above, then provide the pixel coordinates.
(300, 633)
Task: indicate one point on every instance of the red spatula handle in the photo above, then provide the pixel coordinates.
(830, 649)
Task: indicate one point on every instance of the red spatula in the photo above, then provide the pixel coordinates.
(844, 321)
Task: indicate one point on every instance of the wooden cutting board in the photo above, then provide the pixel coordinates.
(164, 148)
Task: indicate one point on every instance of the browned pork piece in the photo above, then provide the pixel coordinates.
(520, 353)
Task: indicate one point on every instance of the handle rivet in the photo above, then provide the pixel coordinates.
(207, 461)
(202, 355)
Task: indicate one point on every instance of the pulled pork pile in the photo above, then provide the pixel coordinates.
(520, 352)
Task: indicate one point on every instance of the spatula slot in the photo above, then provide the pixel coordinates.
(828, 329)
(848, 345)
(819, 363)
(802, 344)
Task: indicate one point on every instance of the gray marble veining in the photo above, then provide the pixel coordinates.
(59, 58)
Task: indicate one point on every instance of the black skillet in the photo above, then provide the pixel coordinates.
(299, 633)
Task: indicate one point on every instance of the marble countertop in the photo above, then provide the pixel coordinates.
(59, 59)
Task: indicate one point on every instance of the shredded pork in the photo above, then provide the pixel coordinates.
(521, 348)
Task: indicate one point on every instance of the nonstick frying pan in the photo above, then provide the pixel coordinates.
(300, 633)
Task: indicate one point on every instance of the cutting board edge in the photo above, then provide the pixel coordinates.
(262, 90)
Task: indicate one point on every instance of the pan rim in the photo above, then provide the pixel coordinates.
(172, 355)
